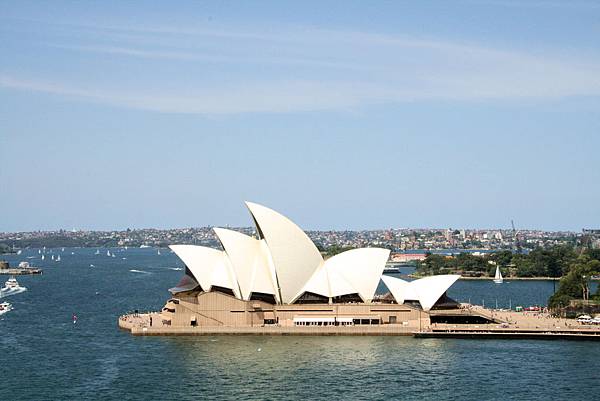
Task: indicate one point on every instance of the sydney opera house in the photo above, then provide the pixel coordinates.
(278, 278)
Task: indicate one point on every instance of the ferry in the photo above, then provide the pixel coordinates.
(391, 269)
(12, 285)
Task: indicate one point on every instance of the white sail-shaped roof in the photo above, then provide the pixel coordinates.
(200, 260)
(399, 288)
(328, 284)
(209, 266)
(294, 255)
(249, 262)
(427, 290)
(317, 284)
(360, 268)
(356, 271)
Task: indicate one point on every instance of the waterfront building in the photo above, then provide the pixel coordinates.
(280, 278)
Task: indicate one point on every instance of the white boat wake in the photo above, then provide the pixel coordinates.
(139, 271)
(11, 291)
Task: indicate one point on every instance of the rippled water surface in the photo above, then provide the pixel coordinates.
(44, 356)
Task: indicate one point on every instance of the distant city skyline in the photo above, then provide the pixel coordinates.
(342, 115)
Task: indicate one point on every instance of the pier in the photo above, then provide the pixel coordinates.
(22, 269)
(17, 271)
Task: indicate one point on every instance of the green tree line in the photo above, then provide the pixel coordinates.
(552, 262)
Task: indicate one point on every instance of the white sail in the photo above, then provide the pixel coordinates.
(498, 277)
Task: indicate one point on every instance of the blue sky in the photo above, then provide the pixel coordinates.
(341, 115)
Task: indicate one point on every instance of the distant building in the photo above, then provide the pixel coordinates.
(593, 237)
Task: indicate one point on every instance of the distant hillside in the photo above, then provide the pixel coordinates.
(4, 249)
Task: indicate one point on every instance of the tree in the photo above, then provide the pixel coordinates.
(575, 285)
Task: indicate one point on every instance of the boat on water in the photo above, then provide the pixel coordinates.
(158, 252)
(107, 253)
(97, 252)
(12, 285)
(58, 258)
(43, 257)
(391, 268)
(498, 277)
(5, 307)
(144, 246)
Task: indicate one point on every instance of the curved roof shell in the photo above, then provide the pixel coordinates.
(427, 290)
(294, 255)
(356, 271)
(361, 268)
(249, 262)
(210, 267)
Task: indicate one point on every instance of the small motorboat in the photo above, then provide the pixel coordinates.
(5, 307)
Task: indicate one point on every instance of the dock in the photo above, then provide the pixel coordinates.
(21, 271)
(582, 335)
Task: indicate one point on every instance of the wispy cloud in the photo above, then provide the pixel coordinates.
(291, 69)
(275, 97)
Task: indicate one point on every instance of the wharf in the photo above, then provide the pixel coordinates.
(21, 271)
(520, 334)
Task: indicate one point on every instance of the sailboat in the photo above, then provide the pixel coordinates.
(159, 252)
(58, 258)
(498, 277)
(52, 256)
(107, 253)
(43, 257)
(97, 252)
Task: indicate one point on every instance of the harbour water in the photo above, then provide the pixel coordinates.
(45, 356)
